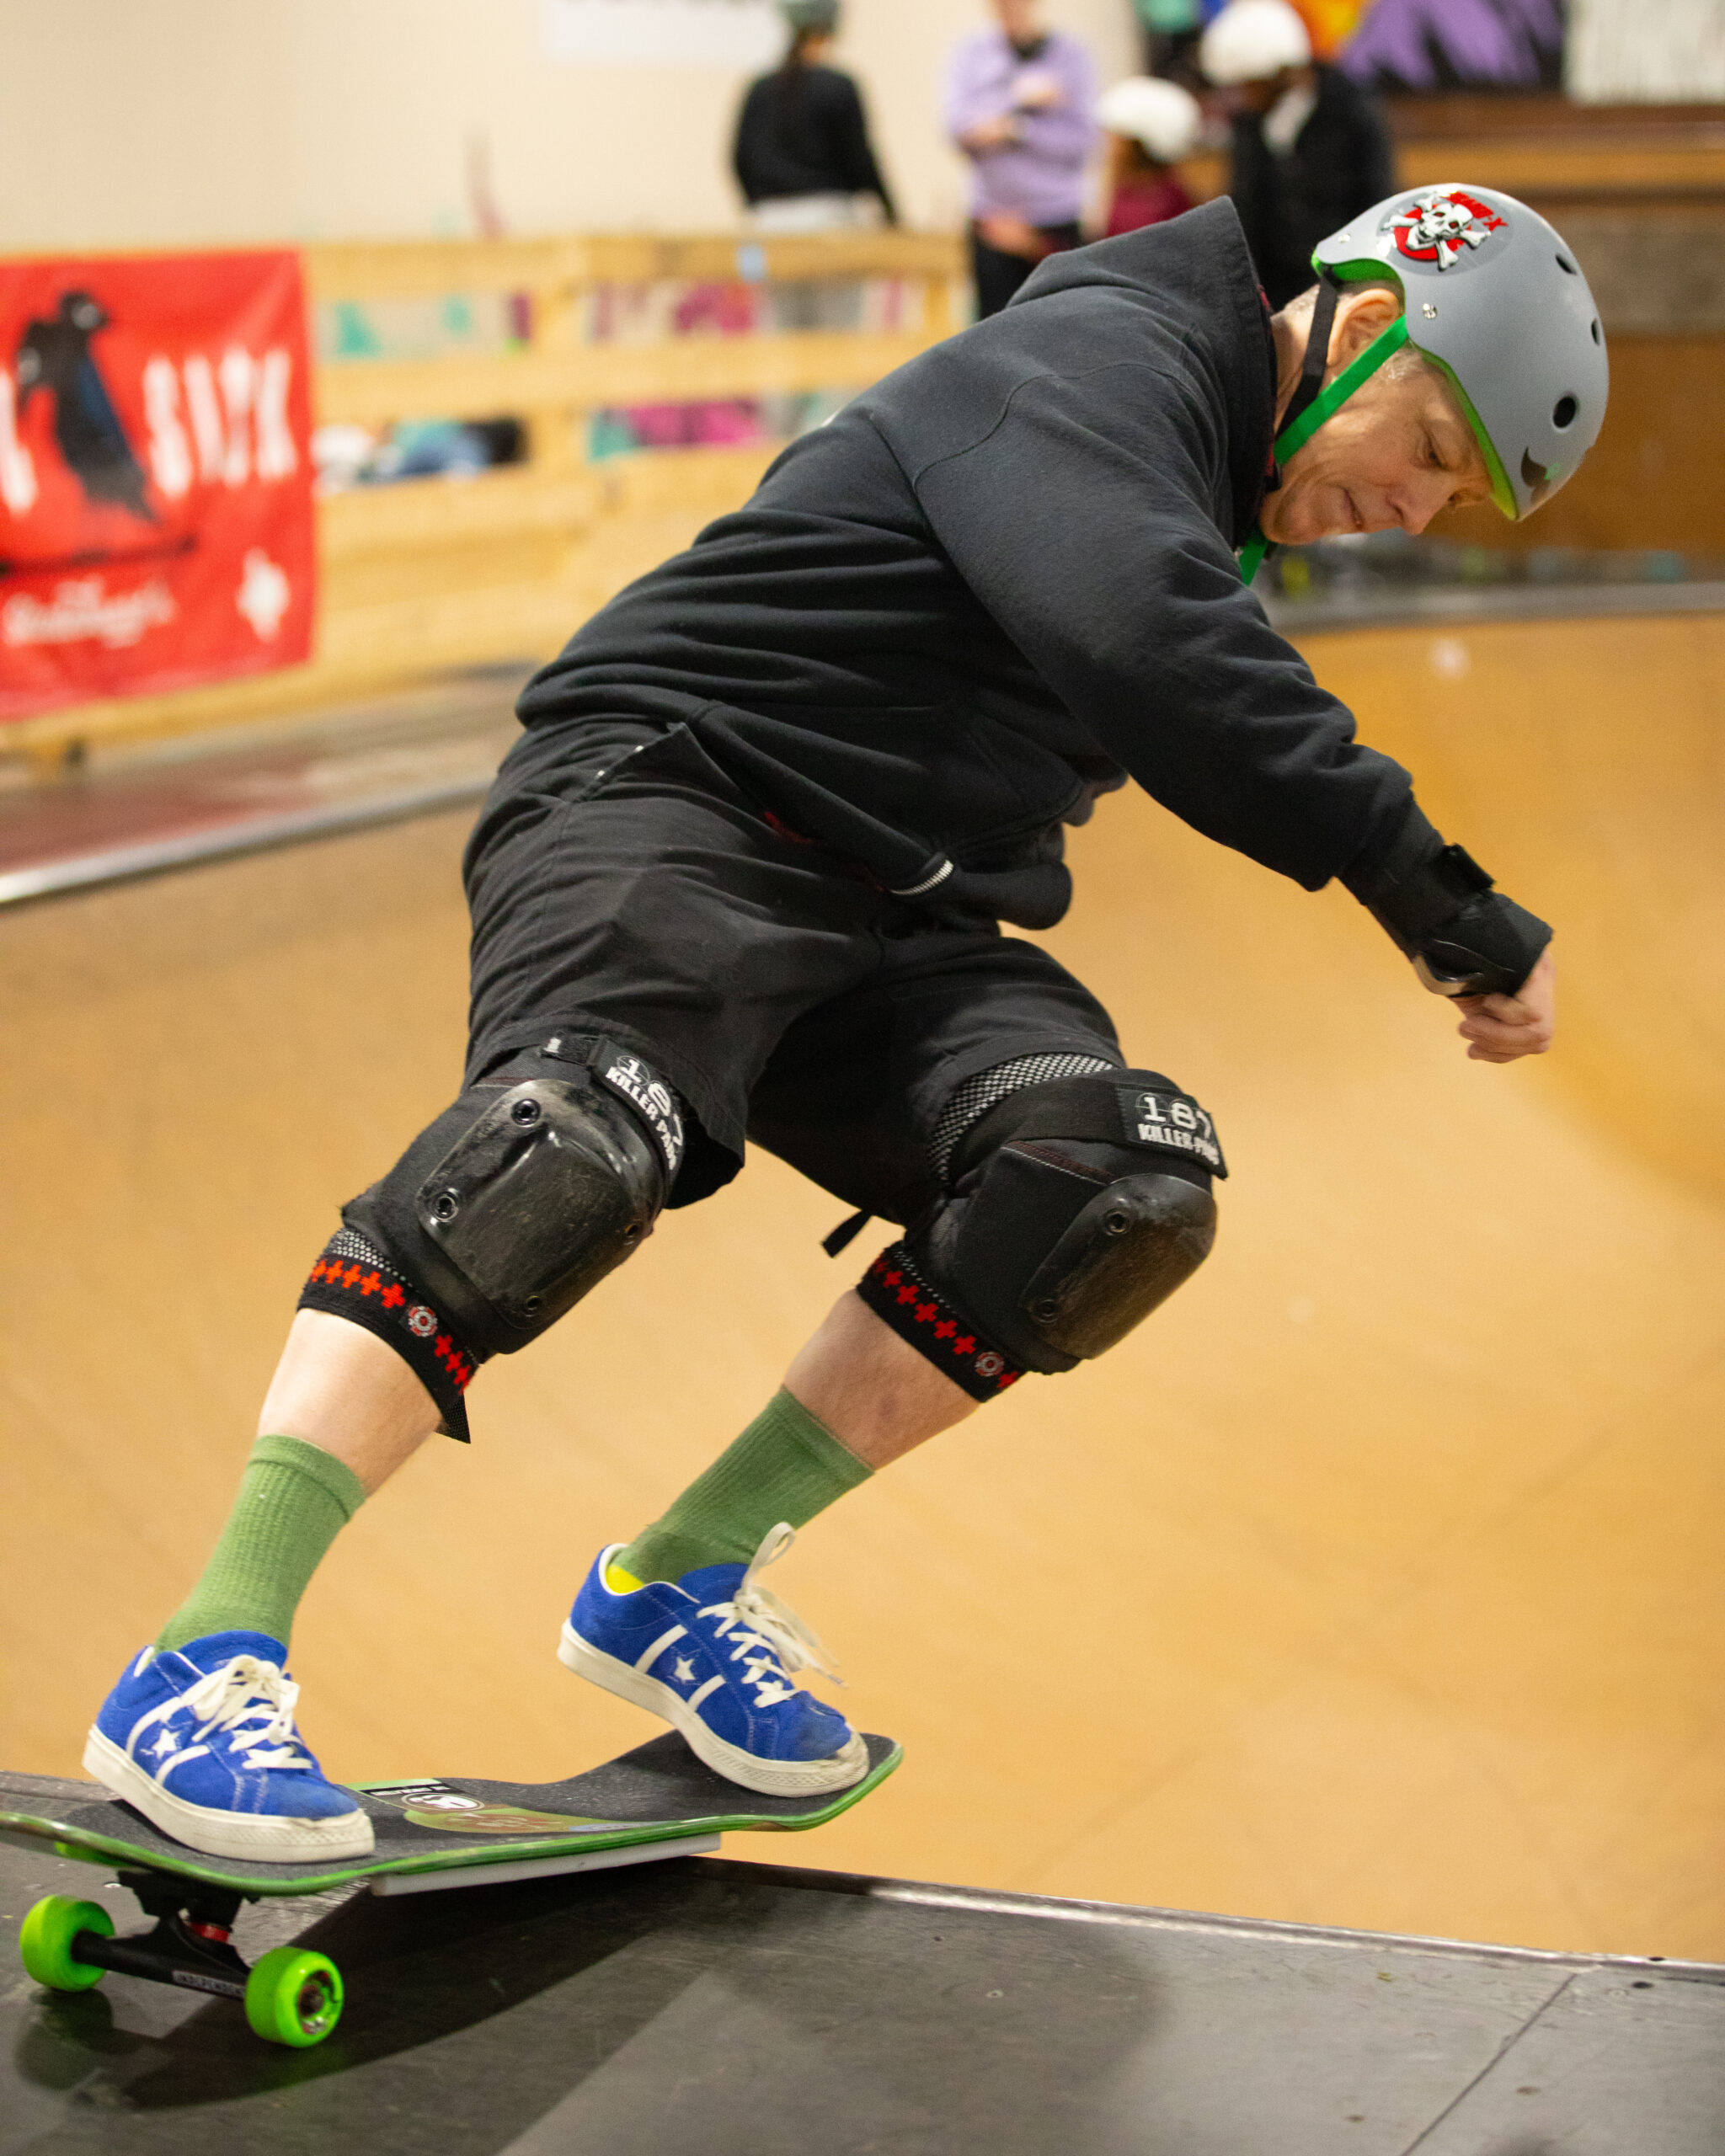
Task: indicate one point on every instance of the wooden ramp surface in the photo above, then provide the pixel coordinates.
(1375, 1582)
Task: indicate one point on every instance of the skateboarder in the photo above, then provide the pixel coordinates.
(744, 874)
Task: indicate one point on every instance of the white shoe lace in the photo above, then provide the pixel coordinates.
(757, 1623)
(238, 1693)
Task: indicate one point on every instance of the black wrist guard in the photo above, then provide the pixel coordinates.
(1441, 908)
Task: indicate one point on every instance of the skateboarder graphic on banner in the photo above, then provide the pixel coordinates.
(155, 475)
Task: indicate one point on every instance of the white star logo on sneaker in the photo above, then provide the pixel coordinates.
(684, 1670)
(165, 1744)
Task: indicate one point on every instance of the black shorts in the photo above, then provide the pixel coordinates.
(621, 885)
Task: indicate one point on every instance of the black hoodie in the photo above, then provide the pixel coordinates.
(1001, 582)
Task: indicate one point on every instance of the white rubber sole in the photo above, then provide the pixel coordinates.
(766, 1777)
(262, 1835)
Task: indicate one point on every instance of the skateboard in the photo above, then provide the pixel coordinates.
(655, 1802)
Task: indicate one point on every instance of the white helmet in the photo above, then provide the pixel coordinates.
(1493, 296)
(1253, 40)
(1161, 115)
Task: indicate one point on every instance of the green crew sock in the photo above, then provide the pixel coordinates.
(785, 1466)
(294, 1500)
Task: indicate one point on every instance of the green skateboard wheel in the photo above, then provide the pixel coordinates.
(44, 1942)
(293, 1997)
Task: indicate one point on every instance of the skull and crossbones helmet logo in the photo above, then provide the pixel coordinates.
(1440, 228)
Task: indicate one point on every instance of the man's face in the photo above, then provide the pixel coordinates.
(1259, 96)
(1017, 19)
(1397, 451)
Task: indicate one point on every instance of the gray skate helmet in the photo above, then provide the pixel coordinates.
(1491, 295)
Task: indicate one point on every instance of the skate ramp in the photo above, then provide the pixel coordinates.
(718, 2008)
(1373, 1582)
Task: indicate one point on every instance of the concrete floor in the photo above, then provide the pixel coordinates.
(1374, 1583)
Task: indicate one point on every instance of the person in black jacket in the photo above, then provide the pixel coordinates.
(742, 880)
(1309, 148)
(802, 137)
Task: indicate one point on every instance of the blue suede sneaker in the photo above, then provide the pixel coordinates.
(201, 1739)
(713, 1655)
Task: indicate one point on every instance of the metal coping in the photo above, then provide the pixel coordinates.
(1051, 1908)
(124, 864)
(1462, 606)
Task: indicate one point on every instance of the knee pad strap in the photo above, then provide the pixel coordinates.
(899, 1292)
(1133, 1108)
(355, 1280)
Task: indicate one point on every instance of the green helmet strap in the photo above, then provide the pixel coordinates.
(1251, 554)
(1327, 401)
(1298, 432)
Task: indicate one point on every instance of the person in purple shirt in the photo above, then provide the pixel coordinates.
(1020, 103)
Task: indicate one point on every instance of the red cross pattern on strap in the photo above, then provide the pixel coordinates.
(922, 1305)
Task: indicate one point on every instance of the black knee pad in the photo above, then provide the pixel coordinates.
(1074, 1208)
(505, 1212)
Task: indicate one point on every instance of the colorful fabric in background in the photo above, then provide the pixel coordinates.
(1331, 23)
(1427, 45)
(156, 521)
(1419, 46)
(1175, 17)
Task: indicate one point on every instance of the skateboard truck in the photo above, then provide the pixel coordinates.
(290, 1995)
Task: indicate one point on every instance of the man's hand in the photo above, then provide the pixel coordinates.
(991, 134)
(1010, 235)
(1037, 91)
(1500, 1028)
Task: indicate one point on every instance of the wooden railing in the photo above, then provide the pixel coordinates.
(1555, 169)
(426, 575)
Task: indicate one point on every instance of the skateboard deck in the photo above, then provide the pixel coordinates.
(454, 1831)
(654, 1802)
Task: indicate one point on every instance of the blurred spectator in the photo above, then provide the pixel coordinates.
(1151, 125)
(1171, 29)
(1019, 105)
(347, 456)
(802, 154)
(1311, 150)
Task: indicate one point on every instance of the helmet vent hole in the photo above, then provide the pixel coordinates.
(1598, 339)
(1563, 412)
(1563, 263)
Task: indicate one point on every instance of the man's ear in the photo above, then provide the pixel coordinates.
(1361, 317)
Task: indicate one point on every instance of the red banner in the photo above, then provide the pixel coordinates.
(155, 525)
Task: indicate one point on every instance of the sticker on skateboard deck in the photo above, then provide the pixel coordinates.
(655, 1802)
